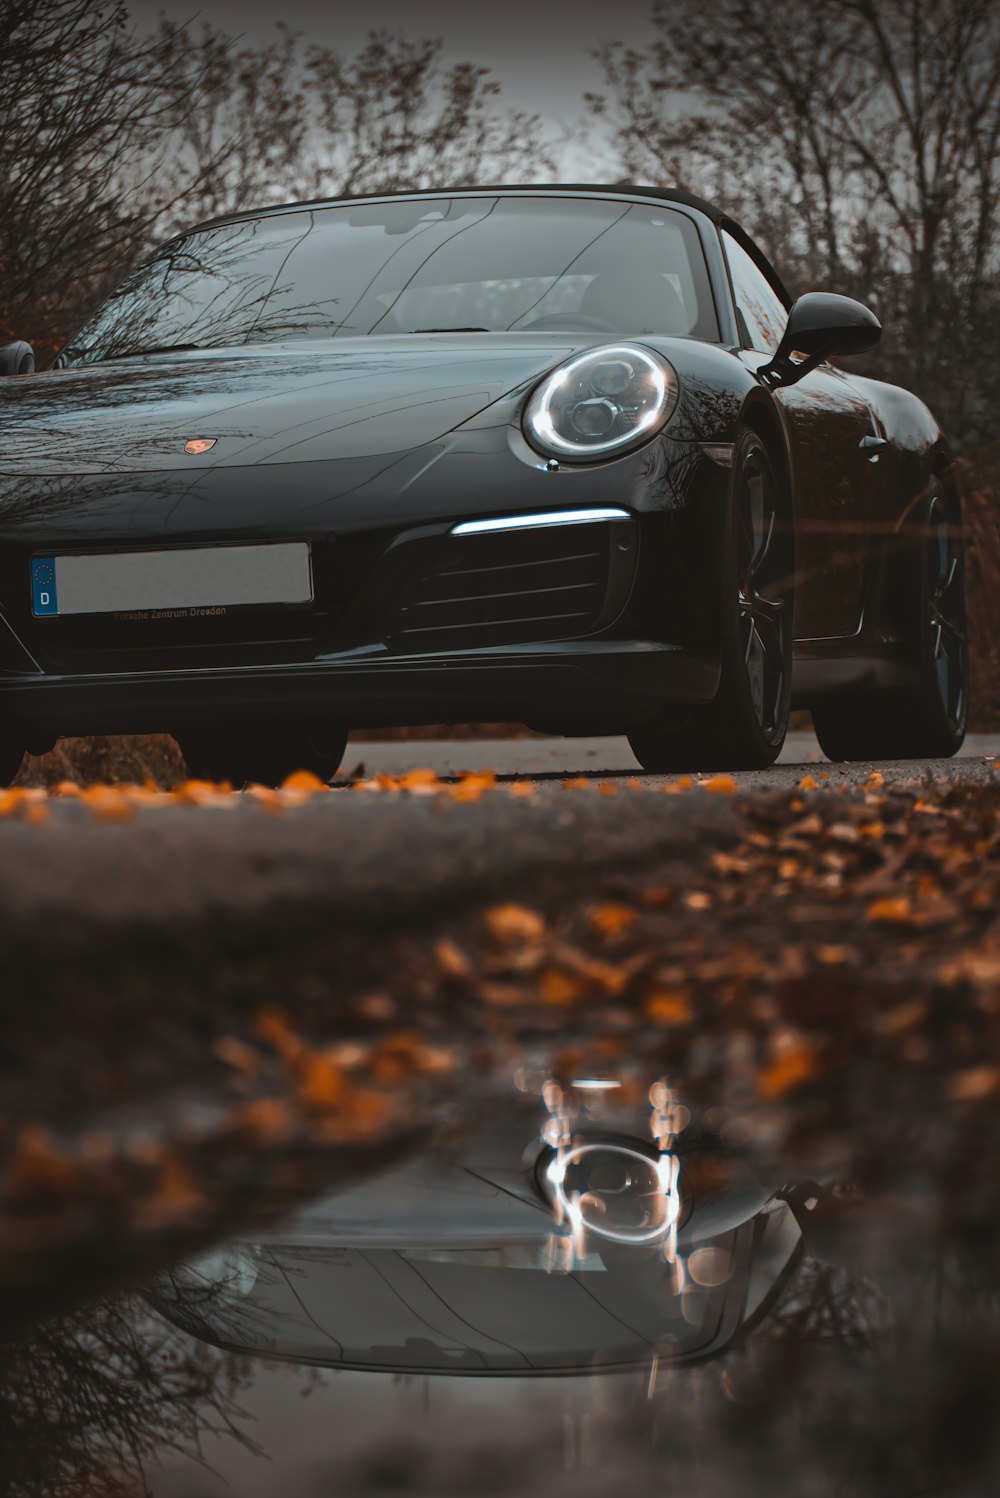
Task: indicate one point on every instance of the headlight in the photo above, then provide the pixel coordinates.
(604, 402)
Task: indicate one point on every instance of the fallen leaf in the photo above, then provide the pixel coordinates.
(902, 1017)
(452, 961)
(177, 1198)
(669, 1008)
(268, 1120)
(274, 1026)
(792, 1067)
(237, 1054)
(514, 925)
(321, 1083)
(975, 1083)
(557, 986)
(720, 785)
(35, 1166)
(895, 911)
(304, 780)
(612, 919)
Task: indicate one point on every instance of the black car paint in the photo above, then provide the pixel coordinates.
(372, 448)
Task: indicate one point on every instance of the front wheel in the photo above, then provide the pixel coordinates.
(262, 755)
(744, 727)
(926, 721)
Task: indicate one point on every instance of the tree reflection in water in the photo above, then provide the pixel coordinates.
(876, 1385)
(87, 1400)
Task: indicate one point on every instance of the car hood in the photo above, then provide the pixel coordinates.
(343, 398)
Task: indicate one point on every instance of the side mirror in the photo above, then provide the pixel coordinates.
(17, 358)
(819, 325)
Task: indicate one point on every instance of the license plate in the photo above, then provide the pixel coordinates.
(185, 579)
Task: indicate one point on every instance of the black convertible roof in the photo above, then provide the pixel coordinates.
(615, 189)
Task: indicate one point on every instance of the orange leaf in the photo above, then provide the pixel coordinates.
(471, 787)
(176, 1198)
(515, 925)
(698, 899)
(322, 1084)
(420, 782)
(558, 987)
(36, 1166)
(792, 1067)
(974, 1083)
(611, 919)
(669, 1008)
(720, 785)
(452, 961)
(807, 783)
(303, 780)
(895, 911)
(266, 1119)
(274, 1027)
(109, 804)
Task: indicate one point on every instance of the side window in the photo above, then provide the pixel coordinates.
(761, 308)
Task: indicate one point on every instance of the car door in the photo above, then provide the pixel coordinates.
(837, 473)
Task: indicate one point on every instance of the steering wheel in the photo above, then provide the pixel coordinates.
(573, 321)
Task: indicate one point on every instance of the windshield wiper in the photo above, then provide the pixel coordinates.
(450, 330)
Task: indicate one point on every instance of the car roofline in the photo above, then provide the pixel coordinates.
(668, 195)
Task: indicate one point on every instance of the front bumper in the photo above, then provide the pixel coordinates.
(564, 686)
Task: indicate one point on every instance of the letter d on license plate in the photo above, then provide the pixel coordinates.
(43, 586)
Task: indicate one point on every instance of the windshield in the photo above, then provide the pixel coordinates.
(497, 264)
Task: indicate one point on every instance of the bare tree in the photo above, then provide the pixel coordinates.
(112, 137)
(83, 103)
(858, 137)
(293, 120)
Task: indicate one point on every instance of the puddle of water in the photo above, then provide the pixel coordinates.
(593, 1296)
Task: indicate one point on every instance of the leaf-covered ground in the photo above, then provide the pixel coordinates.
(825, 983)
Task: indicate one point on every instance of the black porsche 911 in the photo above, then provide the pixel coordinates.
(567, 456)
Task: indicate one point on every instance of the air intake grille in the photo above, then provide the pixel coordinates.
(508, 589)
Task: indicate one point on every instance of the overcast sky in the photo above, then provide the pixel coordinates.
(538, 49)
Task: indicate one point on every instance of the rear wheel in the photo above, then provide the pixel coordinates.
(926, 721)
(744, 727)
(262, 755)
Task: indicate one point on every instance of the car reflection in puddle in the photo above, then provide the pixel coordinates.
(591, 1248)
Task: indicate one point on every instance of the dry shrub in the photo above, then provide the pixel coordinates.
(106, 759)
(981, 472)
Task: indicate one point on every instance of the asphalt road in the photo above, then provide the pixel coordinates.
(378, 858)
(187, 900)
(613, 757)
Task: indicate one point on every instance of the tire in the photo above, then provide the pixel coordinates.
(926, 721)
(744, 727)
(11, 756)
(262, 755)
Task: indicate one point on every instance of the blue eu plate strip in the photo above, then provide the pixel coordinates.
(44, 599)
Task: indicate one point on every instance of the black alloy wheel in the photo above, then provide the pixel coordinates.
(744, 727)
(262, 756)
(928, 720)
